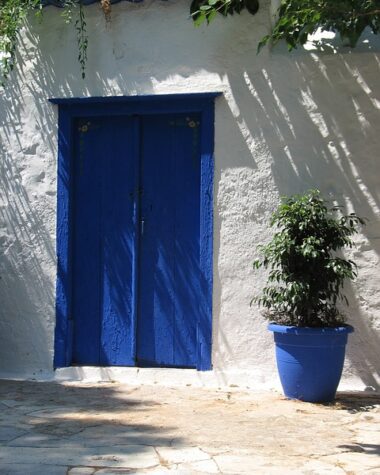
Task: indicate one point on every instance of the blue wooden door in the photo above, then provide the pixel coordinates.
(136, 233)
(169, 277)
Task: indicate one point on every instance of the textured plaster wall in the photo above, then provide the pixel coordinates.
(285, 123)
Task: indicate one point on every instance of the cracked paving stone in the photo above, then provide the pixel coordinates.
(10, 402)
(59, 413)
(203, 466)
(369, 441)
(124, 457)
(189, 454)
(355, 461)
(153, 470)
(116, 435)
(372, 426)
(41, 441)
(81, 471)
(58, 429)
(31, 469)
(250, 463)
(112, 430)
(316, 467)
(8, 433)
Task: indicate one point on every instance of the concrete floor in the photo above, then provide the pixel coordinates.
(57, 429)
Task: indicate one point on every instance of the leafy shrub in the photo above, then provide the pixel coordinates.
(306, 275)
(297, 19)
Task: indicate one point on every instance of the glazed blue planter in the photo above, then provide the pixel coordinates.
(310, 360)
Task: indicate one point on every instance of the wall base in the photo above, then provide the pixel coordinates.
(226, 380)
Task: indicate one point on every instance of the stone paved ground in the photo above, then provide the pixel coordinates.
(109, 429)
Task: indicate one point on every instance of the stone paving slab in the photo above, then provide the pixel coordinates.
(137, 456)
(9, 432)
(114, 429)
(31, 469)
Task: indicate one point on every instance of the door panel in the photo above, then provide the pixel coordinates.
(103, 241)
(169, 245)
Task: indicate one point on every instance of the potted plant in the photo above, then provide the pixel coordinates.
(305, 281)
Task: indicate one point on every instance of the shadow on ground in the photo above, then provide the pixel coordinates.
(50, 429)
(54, 415)
(356, 402)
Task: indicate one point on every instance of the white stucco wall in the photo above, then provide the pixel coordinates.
(285, 123)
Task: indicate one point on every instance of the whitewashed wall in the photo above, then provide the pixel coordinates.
(285, 123)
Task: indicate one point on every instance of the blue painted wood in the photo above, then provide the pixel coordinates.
(155, 332)
(70, 111)
(63, 328)
(118, 246)
(136, 125)
(178, 101)
(86, 236)
(204, 360)
(169, 267)
(185, 138)
(103, 242)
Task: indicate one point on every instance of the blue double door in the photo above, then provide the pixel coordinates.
(135, 238)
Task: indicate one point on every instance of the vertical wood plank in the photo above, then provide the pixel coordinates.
(204, 341)
(136, 153)
(155, 304)
(169, 265)
(86, 236)
(63, 333)
(185, 138)
(117, 242)
(103, 242)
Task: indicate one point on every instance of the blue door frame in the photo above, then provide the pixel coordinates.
(72, 109)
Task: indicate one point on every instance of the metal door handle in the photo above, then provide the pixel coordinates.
(142, 222)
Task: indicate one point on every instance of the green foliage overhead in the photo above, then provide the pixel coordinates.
(206, 10)
(299, 18)
(296, 20)
(12, 17)
(306, 274)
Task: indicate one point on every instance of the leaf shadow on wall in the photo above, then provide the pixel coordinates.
(320, 128)
(26, 291)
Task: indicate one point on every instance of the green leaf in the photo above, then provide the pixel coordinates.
(211, 16)
(199, 19)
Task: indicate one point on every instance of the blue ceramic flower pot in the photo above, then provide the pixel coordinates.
(310, 360)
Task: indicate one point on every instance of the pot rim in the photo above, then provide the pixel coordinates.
(343, 329)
